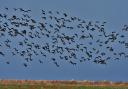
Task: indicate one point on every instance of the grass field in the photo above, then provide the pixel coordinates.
(13, 84)
(57, 87)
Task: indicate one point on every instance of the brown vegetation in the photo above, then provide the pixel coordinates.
(62, 82)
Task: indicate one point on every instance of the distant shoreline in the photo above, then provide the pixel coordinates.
(62, 82)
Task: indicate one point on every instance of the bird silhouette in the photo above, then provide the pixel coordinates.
(25, 65)
(1, 53)
(59, 36)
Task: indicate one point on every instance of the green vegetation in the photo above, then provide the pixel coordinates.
(57, 87)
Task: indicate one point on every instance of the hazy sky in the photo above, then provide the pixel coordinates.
(115, 12)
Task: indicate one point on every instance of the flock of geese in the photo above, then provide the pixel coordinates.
(56, 36)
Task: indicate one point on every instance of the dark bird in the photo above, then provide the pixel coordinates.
(41, 61)
(65, 15)
(56, 64)
(25, 65)
(6, 8)
(59, 36)
(73, 63)
(1, 53)
(7, 62)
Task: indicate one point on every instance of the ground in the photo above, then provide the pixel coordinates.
(53, 84)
